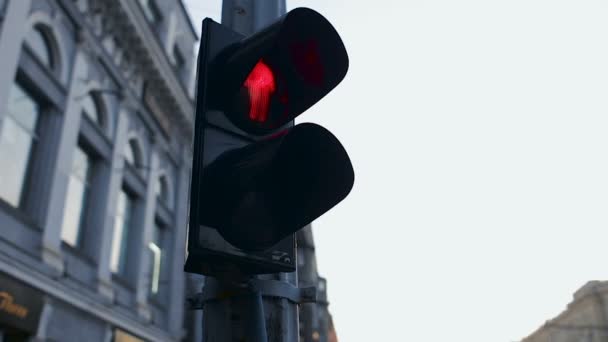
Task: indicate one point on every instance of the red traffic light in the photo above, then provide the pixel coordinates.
(260, 85)
(250, 193)
(271, 77)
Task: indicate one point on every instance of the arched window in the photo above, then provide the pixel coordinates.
(91, 109)
(132, 153)
(18, 140)
(38, 42)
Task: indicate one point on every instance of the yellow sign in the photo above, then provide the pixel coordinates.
(121, 336)
(8, 305)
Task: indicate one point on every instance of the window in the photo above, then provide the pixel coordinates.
(156, 261)
(132, 154)
(17, 141)
(38, 43)
(77, 198)
(178, 59)
(162, 191)
(122, 226)
(91, 110)
(151, 11)
(2, 13)
(118, 52)
(12, 335)
(129, 154)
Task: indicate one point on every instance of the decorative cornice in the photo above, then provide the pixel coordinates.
(174, 94)
(143, 57)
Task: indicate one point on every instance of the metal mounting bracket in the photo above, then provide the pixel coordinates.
(267, 288)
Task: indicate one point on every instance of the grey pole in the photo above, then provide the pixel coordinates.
(249, 16)
(235, 318)
(308, 276)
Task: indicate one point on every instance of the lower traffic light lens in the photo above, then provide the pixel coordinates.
(259, 194)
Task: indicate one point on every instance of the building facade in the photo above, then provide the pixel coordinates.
(316, 324)
(96, 118)
(584, 320)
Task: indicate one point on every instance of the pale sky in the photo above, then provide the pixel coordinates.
(479, 135)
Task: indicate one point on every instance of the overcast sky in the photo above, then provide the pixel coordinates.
(479, 135)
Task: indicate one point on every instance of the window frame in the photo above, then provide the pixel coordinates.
(85, 210)
(56, 65)
(164, 201)
(48, 43)
(123, 253)
(3, 5)
(102, 121)
(134, 146)
(134, 187)
(161, 299)
(158, 241)
(99, 153)
(151, 12)
(44, 86)
(179, 61)
(35, 140)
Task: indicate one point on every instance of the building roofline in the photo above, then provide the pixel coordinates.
(190, 23)
(583, 293)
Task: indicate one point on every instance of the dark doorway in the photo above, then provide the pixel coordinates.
(8, 334)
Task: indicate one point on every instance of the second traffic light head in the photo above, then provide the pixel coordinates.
(259, 194)
(269, 78)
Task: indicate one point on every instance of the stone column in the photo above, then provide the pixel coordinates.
(67, 129)
(177, 285)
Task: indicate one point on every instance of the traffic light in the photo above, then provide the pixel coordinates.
(257, 178)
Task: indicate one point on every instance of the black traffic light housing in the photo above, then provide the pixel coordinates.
(256, 178)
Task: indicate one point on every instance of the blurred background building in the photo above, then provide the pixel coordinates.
(96, 124)
(584, 320)
(96, 117)
(315, 321)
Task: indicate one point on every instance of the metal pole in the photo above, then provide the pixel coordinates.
(308, 276)
(251, 317)
(252, 309)
(238, 313)
(249, 16)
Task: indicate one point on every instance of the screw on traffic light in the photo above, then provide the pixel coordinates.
(256, 177)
